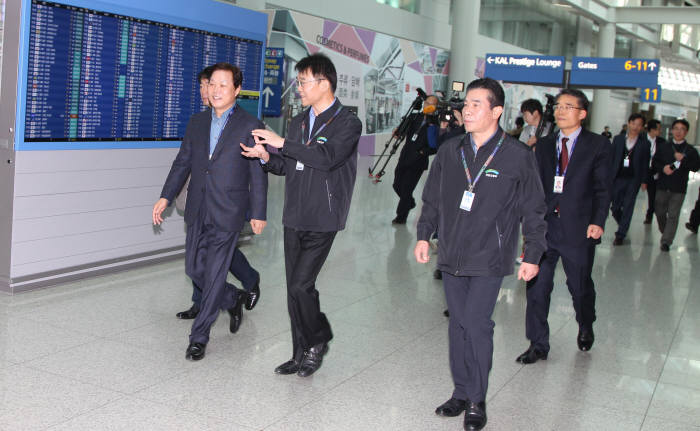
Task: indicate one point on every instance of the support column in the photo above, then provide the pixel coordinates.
(601, 98)
(465, 32)
(697, 129)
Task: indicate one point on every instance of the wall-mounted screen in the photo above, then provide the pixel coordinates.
(99, 76)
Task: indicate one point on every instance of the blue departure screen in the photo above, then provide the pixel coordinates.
(99, 76)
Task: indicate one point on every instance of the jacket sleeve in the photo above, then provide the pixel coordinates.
(258, 184)
(334, 152)
(275, 165)
(430, 213)
(181, 167)
(691, 161)
(602, 182)
(533, 207)
(657, 161)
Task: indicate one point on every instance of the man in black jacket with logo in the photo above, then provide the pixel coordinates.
(479, 187)
(318, 159)
(673, 160)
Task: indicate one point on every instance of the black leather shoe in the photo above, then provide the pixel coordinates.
(452, 407)
(475, 416)
(195, 351)
(617, 241)
(531, 356)
(398, 221)
(289, 367)
(691, 228)
(312, 360)
(446, 313)
(236, 312)
(665, 247)
(253, 296)
(437, 274)
(585, 340)
(189, 314)
(647, 220)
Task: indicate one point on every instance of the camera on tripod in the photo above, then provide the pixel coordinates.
(446, 108)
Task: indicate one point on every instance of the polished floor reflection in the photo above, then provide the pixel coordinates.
(108, 352)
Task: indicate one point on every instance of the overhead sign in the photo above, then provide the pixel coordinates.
(536, 69)
(271, 96)
(650, 95)
(615, 72)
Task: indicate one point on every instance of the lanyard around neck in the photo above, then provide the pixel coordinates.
(471, 183)
(303, 126)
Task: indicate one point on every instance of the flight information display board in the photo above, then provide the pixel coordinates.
(99, 76)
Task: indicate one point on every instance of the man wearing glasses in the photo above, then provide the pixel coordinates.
(574, 167)
(318, 159)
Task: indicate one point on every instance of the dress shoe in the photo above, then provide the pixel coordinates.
(236, 312)
(189, 314)
(691, 228)
(446, 313)
(617, 241)
(195, 351)
(437, 274)
(398, 221)
(585, 340)
(475, 416)
(665, 247)
(253, 296)
(531, 356)
(289, 367)
(312, 360)
(647, 220)
(452, 407)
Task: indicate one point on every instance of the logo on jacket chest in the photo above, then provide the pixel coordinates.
(491, 173)
(321, 140)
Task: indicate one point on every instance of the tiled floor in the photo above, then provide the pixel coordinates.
(108, 352)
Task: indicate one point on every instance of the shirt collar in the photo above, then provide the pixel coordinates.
(314, 116)
(224, 116)
(572, 137)
(490, 143)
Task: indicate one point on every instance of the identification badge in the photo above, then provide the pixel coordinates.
(300, 166)
(626, 162)
(558, 184)
(414, 137)
(467, 201)
(677, 164)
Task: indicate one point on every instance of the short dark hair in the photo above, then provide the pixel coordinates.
(319, 65)
(653, 124)
(496, 95)
(235, 71)
(531, 106)
(205, 73)
(578, 94)
(683, 121)
(636, 116)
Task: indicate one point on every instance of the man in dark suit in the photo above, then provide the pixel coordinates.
(629, 168)
(240, 267)
(574, 167)
(421, 141)
(649, 184)
(224, 187)
(318, 159)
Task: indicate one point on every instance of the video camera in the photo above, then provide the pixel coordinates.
(445, 109)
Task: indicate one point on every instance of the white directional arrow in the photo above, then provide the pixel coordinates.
(267, 92)
(489, 60)
(652, 66)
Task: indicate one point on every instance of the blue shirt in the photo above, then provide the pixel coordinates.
(312, 116)
(217, 126)
(570, 143)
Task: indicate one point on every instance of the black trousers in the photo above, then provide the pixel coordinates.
(578, 265)
(240, 268)
(470, 301)
(651, 198)
(305, 253)
(405, 181)
(695, 213)
(208, 254)
(624, 195)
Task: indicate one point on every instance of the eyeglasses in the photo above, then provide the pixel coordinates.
(567, 108)
(302, 83)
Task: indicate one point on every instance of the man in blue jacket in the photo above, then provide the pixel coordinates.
(479, 188)
(224, 187)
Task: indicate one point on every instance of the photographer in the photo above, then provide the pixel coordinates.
(421, 141)
(532, 114)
